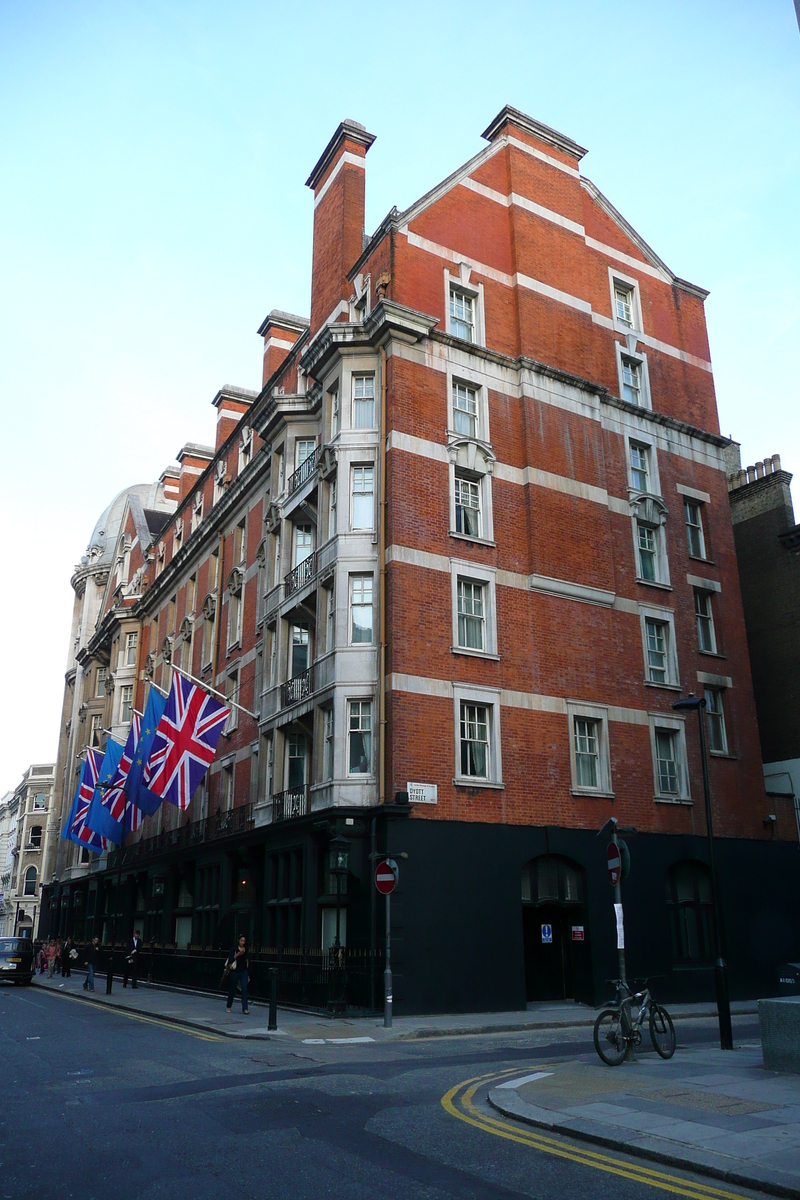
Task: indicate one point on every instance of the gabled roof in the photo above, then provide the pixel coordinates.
(397, 220)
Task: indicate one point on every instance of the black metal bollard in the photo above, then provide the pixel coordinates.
(273, 998)
(110, 974)
(723, 1004)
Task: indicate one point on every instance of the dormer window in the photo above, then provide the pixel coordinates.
(221, 480)
(245, 448)
(197, 511)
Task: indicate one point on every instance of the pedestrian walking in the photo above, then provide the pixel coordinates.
(132, 959)
(92, 961)
(42, 959)
(66, 949)
(239, 964)
(51, 953)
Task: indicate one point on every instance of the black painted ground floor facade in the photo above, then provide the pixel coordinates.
(484, 918)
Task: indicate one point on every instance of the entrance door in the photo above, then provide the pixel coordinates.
(548, 958)
(554, 929)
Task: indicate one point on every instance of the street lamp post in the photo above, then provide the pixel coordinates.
(720, 967)
(339, 860)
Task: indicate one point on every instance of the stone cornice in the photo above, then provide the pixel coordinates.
(551, 137)
(714, 439)
(194, 546)
(387, 319)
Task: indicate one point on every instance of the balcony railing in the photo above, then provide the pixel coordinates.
(306, 469)
(296, 689)
(303, 573)
(293, 803)
(221, 825)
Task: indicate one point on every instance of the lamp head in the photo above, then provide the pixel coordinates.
(689, 703)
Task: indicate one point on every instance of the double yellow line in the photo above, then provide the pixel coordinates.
(458, 1102)
(175, 1026)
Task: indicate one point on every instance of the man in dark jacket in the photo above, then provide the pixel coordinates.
(132, 959)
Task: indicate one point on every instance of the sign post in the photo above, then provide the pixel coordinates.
(386, 873)
(614, 860)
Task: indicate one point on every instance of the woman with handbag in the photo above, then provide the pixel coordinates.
(237, 967)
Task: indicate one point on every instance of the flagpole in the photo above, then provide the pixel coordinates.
(222, 696)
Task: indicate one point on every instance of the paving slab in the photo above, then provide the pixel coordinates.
(206, 1011)
(718, 1112)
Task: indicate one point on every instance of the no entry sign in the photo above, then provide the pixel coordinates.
(385, 878)
(614, 863)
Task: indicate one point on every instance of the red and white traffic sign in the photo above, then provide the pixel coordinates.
(614, 863)
(385, 878)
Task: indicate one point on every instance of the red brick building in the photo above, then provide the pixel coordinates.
(466, 547)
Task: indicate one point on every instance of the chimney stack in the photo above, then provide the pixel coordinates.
(280, 331)
(338, 183)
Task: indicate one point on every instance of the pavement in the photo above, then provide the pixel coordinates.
(206, 1012)
(717, 1112)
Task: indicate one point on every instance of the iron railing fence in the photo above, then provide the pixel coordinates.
(309, 978)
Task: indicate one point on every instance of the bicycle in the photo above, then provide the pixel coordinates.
(615, 1028)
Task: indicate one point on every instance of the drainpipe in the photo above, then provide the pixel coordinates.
(382, 553)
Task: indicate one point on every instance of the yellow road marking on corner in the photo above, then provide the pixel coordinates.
(162, 1021)
(662, 1180)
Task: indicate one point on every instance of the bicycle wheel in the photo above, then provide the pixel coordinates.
(662, 1031)
(609, 1040)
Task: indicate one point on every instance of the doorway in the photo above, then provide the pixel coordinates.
(555, 929)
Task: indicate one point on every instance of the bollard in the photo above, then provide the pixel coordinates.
(273, 998)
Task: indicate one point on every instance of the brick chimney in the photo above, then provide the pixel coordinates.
(280, 331)
(193, 461)
(338, 182)
(231, 404)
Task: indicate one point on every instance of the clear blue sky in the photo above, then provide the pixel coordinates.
(152, 211)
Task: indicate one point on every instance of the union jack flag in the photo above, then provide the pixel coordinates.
(115, 799)
(185, 742)
(79, 830)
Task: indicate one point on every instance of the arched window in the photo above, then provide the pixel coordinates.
(549, 879)
(30, 882)
(691, 913)
(36, 837)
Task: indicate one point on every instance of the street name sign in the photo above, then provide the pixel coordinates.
(422, 793)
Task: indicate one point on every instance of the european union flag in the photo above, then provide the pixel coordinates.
(135, 790)
(99, 818)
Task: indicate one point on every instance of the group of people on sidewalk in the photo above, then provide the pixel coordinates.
(56, 957)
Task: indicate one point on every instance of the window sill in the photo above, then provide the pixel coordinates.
(711, 654)
(477, 541)
(668, 687)
(237, 645)
(653, 583)
(596, 793)
(709, 562)
(475, 653)
(479, 783)
(723, 754)
(674, 800)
